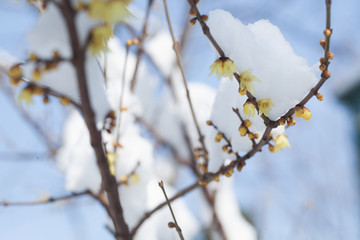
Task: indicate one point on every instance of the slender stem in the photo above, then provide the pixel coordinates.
(121, 101)
(45, 200)
(178, 58)
(141, 45)
(178, 229)
(161, 205)
(108, 180)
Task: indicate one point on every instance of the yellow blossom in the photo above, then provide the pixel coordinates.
(281, 142)
(299, 111)
(249, 109)
(229, 172)
(26, 95)
(134, 178)
(223, 67)
(307, 114)
(99, 38)
(112, 11)
(246, 80)
(265, 106)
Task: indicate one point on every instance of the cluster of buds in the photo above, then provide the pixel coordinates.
(43, 66)
(130, 42)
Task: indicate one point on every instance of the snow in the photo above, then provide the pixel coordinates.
(261, 49)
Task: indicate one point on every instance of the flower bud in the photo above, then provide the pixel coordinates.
(193, 21)
(327, 32)
(229, 172)
(319, 96)
(307, 114)
(242, 130)
(46, 99)
(251, 135)
(282, 121)
(209, 122)
(242, 91)
(64, 101)
(271, 148)
(171, 225)
(322, 43)
(204, 17)
(247, 123)
(299, 111)
(218, 137)
(224, 148)
(322, 67)
(330, 55)
(291, 121)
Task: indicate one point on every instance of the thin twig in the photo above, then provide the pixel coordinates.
(108, 180)
(45, 200)
(121, 101)
(161, 205)
(177, 227)
(178, 58)
(141, 45)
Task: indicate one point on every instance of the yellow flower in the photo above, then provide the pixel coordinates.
(281, 142)
(15, 72)
(113, 11)
(26, 95)
(265, 106)
(246, 79)
(99, 37)
(307, 114)
(223, 67)
(249, 109)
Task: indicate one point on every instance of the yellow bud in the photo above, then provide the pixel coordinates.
(230, 151)
(46, 99)
(224, 148)
(36, 74)
(291, 121)
(242, 130)
(216, 178)
(322, 67)
(330, 55)
(307, 114)
(299, 111)
(242, 91)
(271, 148)
(135, 41)
(256, 136)
(15, 72)
(193, 21)
(192, 12)
(241, 165)
(282, 121)
(319, 96)
(32, 57)
(128, 42)
(64, 101)
(134, 178)
(218, 137)
(209, 122)
(229, 172)
(123, 179)
(247, 123)
(327, 32)
(197, 156)
(251, 135)
(204, 17)
(322, 43)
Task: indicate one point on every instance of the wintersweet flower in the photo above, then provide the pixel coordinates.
(223, 67)
(307, 114)
(26, 95)
(246, 80)
(265, 106)
(99, 37)
(113, 11)
(249, 109)
(281, 142)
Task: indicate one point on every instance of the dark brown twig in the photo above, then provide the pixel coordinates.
(177, 227)
(178, 58)
(109, 181)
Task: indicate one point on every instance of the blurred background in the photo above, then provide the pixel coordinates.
(310, 191)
